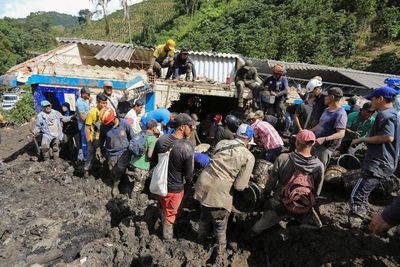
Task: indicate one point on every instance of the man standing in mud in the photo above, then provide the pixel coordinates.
(382, 155)
(115, 135)
(231, 167)
(180, 169)
(92, 131)
(48, 123)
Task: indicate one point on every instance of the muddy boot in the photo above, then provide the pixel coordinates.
(45, 153)
(220, 227)
(355, 221)
(202, 233)
(115, 190)
(168, 231)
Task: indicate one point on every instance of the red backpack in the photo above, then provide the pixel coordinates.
(297, 194)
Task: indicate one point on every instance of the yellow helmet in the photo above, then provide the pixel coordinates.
(171, 44)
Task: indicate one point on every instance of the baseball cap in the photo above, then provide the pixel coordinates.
(184, 119)
(352, 100)
(368, 107)
(85, 90)
(171, 44)
(245, 131)
(45, 103)
(184, 50)
(305, 136)
(108, 84)
(336, 91)
(385, 91)
(137, 102)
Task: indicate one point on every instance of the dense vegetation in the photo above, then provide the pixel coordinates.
(333, 32)
(146, 19)
(21, 39)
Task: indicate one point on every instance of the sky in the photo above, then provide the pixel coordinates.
(22, 8)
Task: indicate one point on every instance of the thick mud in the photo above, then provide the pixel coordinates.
(51, 217)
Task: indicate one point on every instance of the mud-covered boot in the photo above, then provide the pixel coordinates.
(115, 190)
(168, 231)
(202, 232)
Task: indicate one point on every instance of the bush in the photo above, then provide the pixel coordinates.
(23, 110)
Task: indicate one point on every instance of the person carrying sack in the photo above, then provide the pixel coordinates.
(177, 170)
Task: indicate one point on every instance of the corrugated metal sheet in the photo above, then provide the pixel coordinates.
(214, 68)
(86, 41)
(363, 78)
(213, 54)
(115, 53)
(369, 80)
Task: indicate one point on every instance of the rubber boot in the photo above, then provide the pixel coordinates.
(168, 231)
(203, 231)
(46, 153)
(115, 190)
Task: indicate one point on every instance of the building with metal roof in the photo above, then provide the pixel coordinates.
(81, 62)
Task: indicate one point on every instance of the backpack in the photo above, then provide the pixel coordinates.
(297, 194)
(137, 145)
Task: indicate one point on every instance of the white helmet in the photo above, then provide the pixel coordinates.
(312, 84)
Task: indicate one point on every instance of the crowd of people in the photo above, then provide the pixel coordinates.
(132, 145)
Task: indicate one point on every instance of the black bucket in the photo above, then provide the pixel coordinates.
(250, 199)
(349, 162)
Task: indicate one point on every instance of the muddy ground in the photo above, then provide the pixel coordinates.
(51, 217)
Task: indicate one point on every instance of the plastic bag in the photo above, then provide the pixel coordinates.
(159, 178)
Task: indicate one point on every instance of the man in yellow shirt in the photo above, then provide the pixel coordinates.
(163, 57)
(92, 131)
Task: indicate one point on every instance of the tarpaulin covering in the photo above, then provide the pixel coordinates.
(55, 95)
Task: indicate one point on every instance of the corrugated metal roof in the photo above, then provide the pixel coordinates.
(364, 78)
(214, 54)
(117, 53)
(88, 42)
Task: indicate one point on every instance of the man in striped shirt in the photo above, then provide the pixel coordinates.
(266, 136)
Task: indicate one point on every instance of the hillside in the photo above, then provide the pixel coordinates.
(21, 39)
(363, 34)
(146, 18)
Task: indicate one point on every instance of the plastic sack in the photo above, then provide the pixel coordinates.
(159, 178)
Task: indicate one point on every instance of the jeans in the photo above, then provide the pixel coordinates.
(361, 191)
(91, 154)
(83, 148)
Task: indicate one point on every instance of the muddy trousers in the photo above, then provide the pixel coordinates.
(50, 148)
(117, 166)
(278, 109)
(186, 70)
(169, 210)
(324, 154)
(240, 85)
(137, 177)
(167, 63)
(216, 217)
(267, 220)
(361, 191)
(91, 154)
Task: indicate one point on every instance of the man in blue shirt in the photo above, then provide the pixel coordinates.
(183, 64)
(115, 135)
(161, 115)
(382, 156)
(278, 86)
(331, 128)
(82, 108)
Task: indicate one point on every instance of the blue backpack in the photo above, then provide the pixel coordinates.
(137, 145)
